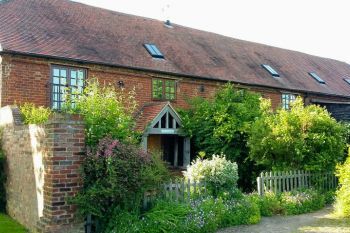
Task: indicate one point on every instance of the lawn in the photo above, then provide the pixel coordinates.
(8, 225)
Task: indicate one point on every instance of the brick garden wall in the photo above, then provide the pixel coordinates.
(43, 170)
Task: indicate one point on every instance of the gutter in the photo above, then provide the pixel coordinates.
(328, 102)
(82, 61)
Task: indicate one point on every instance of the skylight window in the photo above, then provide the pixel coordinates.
(347, 80)
(153, 50)
(271, 70)
(317, 78)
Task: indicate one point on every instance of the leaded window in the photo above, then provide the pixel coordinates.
(163, 89)
(287, 99)
(170, 89)
(66, 82)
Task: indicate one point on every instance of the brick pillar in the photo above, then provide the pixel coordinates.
(65, 148)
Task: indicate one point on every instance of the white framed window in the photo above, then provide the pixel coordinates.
(287, 99)
(65, 80)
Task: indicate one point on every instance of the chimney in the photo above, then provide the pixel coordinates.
(168, 24)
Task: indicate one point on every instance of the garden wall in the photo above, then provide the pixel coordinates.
(43, 170)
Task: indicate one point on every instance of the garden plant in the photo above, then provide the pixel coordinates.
(302, 138)
(221, 125)
(342, 205)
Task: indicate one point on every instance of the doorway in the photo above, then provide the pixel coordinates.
(172, 150)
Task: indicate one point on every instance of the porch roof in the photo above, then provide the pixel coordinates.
(147, 113)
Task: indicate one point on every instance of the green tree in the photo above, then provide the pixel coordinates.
(106, 111)
(303, 138)
(221, 125)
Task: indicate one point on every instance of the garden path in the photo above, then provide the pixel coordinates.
(317, 222)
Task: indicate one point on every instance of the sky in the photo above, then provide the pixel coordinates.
(318, 27)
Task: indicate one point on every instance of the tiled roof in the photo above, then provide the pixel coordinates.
(147, 113)
(70, 30)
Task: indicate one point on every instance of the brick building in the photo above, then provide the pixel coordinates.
(46, 46)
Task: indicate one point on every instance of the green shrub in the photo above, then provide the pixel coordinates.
(201, 215)
(32, 114)
(218, 173)
(299, 202)
(303, 138)
(221, 125)
(122, 221)
(2, 182)
(155, 173)
(269, 204)
(113, 177)
(240, 211)
(329, 196)
(167, 217)
(290, 203)
(106, 111)
(342, 204)
(207, 214)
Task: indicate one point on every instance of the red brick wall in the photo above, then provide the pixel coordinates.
(65, 140)
(26, 79)
(43, 170)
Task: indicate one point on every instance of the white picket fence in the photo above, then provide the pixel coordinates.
(292, 180)
(178, 191)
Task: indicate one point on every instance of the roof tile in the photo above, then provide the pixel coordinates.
(66, 29)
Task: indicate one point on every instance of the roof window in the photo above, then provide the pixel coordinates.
(154, 51)
(347, 80)
(317, 78)
(271, 70)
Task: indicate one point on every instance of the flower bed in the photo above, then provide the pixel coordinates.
(292, 203)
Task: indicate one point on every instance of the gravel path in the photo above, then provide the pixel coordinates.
(286, 224)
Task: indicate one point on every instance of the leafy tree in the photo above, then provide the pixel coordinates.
(342, 204)
(106, 111)
(303, 138)
(221, 125)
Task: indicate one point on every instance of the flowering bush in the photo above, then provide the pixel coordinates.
(219, 173)
(202, 215)
(114, 177)
(298, 202)
(221, 125)
(290, 203)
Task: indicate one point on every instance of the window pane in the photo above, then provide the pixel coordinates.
(56, 72)
(56, 80)
(170, 89)
(73, 74)
(157, 86)
(81, 74)
(287, 99)
(73, 77)
(63, 81)
(64, 73)
(55, 105)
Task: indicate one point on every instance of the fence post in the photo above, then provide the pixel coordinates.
(88, 224)
(145, 201)
(258, 181)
